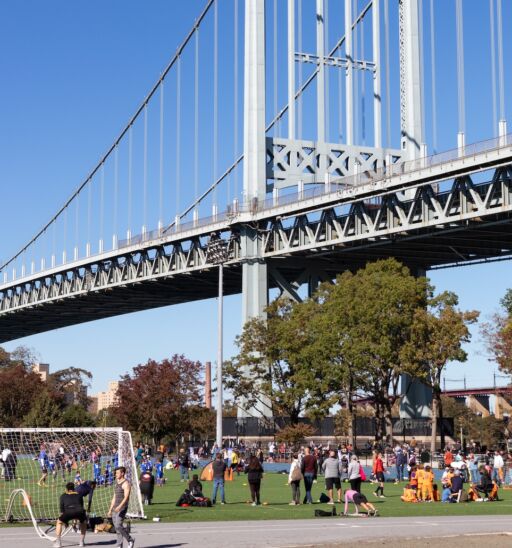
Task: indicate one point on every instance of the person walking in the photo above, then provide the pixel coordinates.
(331, 467)
(354, 474)
(119, 507)
(378, 470)
(254, 471)
(309, 469)
(218, 468)
(294, 479)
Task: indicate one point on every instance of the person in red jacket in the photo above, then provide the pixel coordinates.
(378, 470)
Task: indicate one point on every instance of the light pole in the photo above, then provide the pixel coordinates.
(217, 253)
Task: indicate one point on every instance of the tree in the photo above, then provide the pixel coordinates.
(75, 416)
(44, 413)
(295, 434)
(156, 399)
(72, 384)
(18, 389)
(497, 335)
(21, 355)
(437, 335)
(371, 313)
(271, 369)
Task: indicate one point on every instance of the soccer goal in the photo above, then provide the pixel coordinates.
(40, 461)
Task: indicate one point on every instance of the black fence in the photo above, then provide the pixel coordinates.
(234, 427)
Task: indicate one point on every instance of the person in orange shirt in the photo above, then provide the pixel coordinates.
(419, 479)
(448, 458)
(378, 470)
(427, 489)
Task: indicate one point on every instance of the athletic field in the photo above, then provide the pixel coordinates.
(275, 494)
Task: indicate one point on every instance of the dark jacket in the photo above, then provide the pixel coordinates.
(218, 467)
(309, 465)
(254, 474)
(456, 482)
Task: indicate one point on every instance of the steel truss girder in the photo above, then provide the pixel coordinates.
(390, 216)
(162, 261)
(291, 161)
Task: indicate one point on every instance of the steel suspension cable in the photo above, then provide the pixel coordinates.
(235, 94)
(215, 93)
(116, 198)
(388, 86)
(501, 75)
(460, 66)
(196, 116)
(130, 180)
(121, 135)
(422, 70)
(145, 172)
(161, 166)
(493, 67)
(102, 207)
(276, 129)
(299, 44)
(178, 135)
(326, 70)
(433, 76)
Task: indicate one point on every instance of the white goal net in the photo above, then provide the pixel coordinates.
(40, 461)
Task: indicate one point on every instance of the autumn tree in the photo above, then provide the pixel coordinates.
(437, 335)
(156, 399)
(271, 370)
(18, 390)
(497, 334)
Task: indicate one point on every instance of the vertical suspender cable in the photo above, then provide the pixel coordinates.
(377, 93)
(340, 105)
(422, 70)
(130, 165)
(102, 205)
(178, 136)
(145, 171)
(215, 94)
(388, 86)
(363, 86)
(196, 119)
(89, 207)
(278, 122)
(320, 80)
(460, 66)
(77, 213)
(299, 38)
(326, 50)
(356, 75)
(235, 94)
(433, 76)
(161, 178)
(349, 77)
(500, 60)
(116, 195)
(65, 237)
(291, 69)
(493, 68)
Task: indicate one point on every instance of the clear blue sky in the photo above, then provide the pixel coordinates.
(72, 75)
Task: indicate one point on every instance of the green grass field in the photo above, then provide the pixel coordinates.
(275, 492)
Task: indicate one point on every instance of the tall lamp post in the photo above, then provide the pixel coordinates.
(217, 253)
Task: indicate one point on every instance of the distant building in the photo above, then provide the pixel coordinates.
(103, 400)
(42, 369)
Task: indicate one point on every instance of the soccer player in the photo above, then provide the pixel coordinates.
(97, 470)
(119, 506)
(160, 473)
(43, 463)
(86, 489)
(427, 488)
(378, 470)
(71, 507)
(109, 477)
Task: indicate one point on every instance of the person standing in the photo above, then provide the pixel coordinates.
(119, 507)
(309, 469)
(499, 464)
(184, 464)
(354, 474)
(332, 470)
(294, 479)
(378, 470)
(254, 471)
(71, 508)
(218, 468)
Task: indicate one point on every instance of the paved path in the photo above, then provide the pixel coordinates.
(287, 533)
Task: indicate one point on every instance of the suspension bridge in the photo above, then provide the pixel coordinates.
(283, 143)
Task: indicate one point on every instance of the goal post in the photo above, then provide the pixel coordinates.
(40, 461)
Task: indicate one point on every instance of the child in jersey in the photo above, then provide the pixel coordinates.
(160, 473)
(427, 491)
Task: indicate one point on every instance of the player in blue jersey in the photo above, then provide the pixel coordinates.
(109, 476)
(159, 473)
(97, 470)
(43, 463)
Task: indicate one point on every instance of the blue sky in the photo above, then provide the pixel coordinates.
(72, 75)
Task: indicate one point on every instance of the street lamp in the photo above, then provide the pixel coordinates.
(217, 253)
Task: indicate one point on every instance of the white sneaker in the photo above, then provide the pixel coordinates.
(81, 543)
(131, 543)
(57, 543)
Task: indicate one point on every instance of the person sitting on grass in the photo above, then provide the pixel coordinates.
(359, 500)
(195, 486)
(72, 508)
(485, 486)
